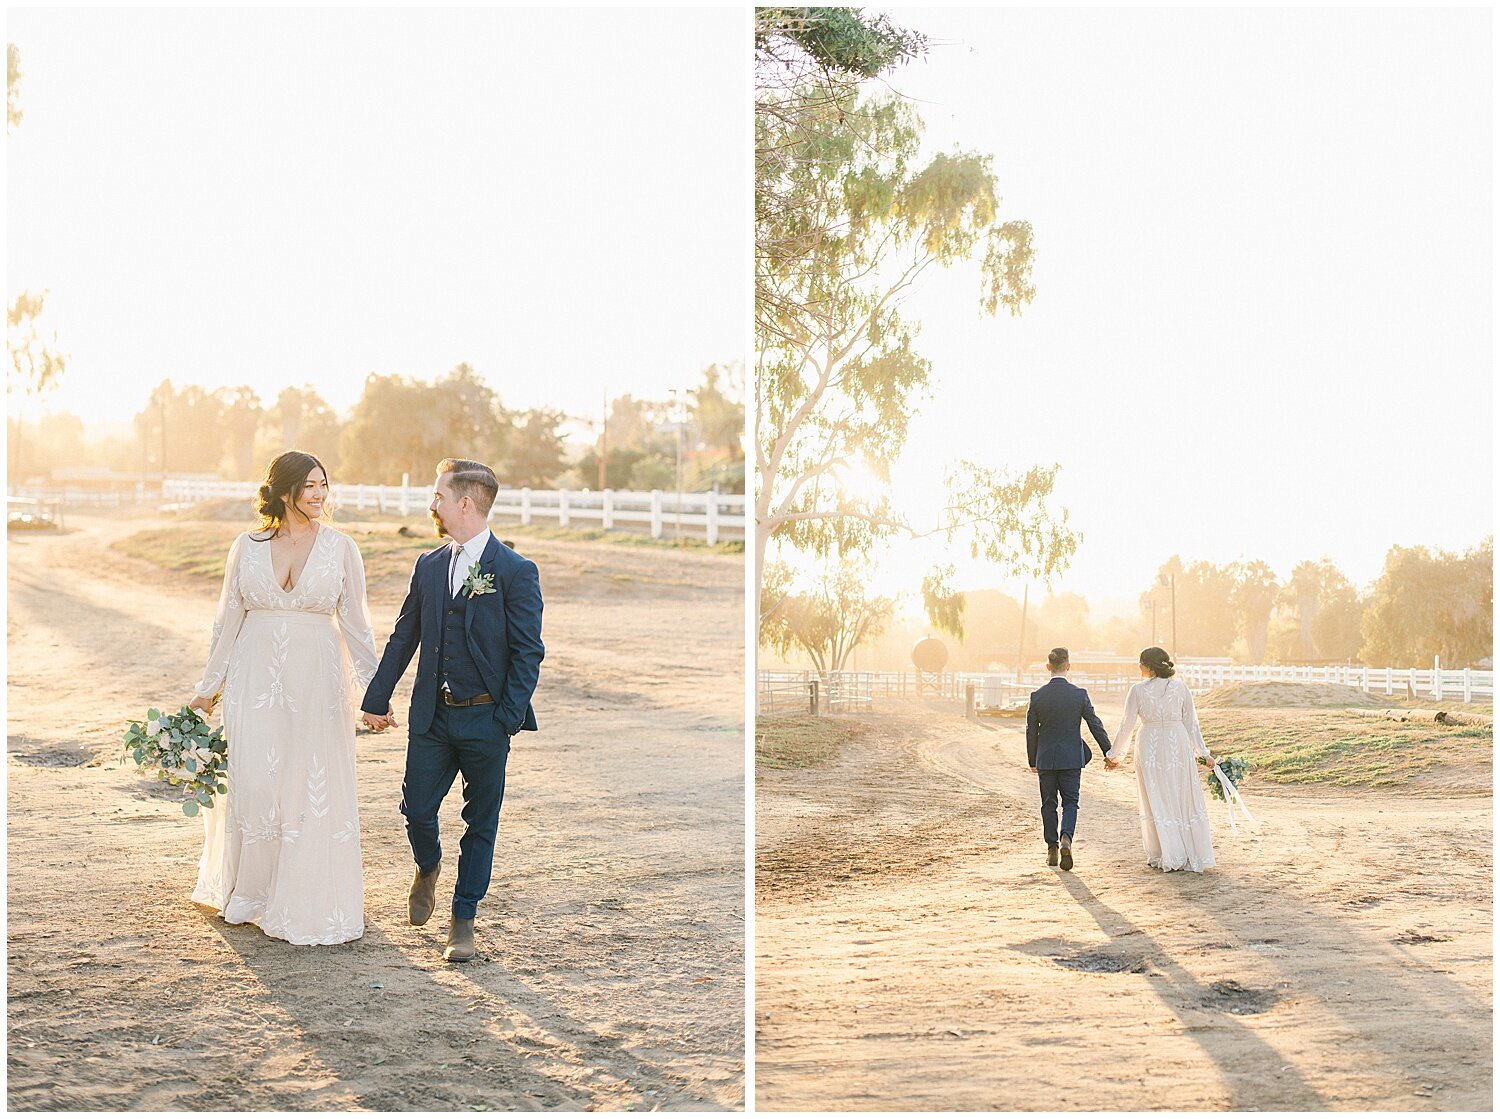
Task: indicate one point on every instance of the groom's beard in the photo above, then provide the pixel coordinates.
(442, 529)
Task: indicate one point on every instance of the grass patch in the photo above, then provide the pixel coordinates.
(610, 536)
(1306, 746)
(800, 741)
(197, 549)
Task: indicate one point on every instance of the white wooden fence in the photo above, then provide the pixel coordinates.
(701, 516)
(850, 691)
(1439, 683)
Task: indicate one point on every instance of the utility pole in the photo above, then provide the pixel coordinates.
(677, 414)
(1021, 646)
(1168, 580)
(164, 444)
(1174, 613)
(604, 444)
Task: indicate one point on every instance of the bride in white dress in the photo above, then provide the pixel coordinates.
(1174, 814)
(282, 847)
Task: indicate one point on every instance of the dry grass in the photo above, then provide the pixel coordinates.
(799, 741)
(196, 546)
(1292, 746)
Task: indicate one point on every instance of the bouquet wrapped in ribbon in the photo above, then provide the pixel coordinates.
(1223, 784)
(183, 750)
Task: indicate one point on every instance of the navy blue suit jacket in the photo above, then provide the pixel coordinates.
(1054, 739)
(503, 629)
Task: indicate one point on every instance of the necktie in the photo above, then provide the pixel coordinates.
(453, 571)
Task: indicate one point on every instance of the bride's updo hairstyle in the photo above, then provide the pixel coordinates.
(1158, 662)
(285, 477)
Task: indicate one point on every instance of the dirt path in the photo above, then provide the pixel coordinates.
(611, 967)
(913, 950)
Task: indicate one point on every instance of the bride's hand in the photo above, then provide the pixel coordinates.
(203, 703)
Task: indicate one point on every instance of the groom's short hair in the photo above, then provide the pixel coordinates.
(1057, 658)
(473, 480)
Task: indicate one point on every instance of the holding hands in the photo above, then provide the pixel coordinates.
(378, 722)
(1111, 763)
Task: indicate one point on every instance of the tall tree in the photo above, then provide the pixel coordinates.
(537, 451)
(718, 409)
(183, 431)
(1430, 603)
(943, 603)
(1253, 600)
(241, 419)
(301, 419)
(848, 218)
(12, 86)
(401, 425)
(830, 620)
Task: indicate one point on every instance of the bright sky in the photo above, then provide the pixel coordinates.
(558, 197)
(1263, 316)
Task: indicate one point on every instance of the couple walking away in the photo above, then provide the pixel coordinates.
(282, 847)
(1174, 815)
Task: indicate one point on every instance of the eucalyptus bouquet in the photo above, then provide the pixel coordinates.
(182, 749)
(1234, 769)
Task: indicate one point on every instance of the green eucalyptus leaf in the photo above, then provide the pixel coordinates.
(190, 808)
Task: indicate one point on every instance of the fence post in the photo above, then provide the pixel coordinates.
(405, 493)
(656, 530)
(812, 697)
(968, 701)
(562, 508)
(1437, 678)
(712, 511)
(1389, 689)
(1468, 685)
(609, 509)
(525, 505)
(1411, 683)
(359, 497)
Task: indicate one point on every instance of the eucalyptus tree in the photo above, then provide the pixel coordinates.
(849, 216)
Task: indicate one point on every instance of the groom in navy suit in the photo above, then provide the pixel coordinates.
(1056, 752)
(474, 613)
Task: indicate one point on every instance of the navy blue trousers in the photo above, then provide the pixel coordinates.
(1056, 783)
(461, 740)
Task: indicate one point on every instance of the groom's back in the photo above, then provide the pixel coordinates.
(1054, 739)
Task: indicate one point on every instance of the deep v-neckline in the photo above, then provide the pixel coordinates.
(297, 582)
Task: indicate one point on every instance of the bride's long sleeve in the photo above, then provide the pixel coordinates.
(1127, 725)
(1190, 720)
(227, 621)
(354, 617)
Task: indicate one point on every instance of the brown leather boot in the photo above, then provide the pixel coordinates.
(1066, 842)
(460, 940)
(423, 898)
(1052, 854)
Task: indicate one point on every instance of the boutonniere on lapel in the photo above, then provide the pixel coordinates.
(477, 584)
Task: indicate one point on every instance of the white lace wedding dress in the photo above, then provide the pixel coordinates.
(1174, 814)
(281, 850)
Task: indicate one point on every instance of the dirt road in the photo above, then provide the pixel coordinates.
(611, 967)
(913, 950)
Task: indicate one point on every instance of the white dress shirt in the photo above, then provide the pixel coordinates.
(464, 558)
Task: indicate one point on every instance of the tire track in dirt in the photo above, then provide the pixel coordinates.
(1338, 958)
(611, 966)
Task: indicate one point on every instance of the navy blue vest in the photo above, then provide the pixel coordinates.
(457, 667)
